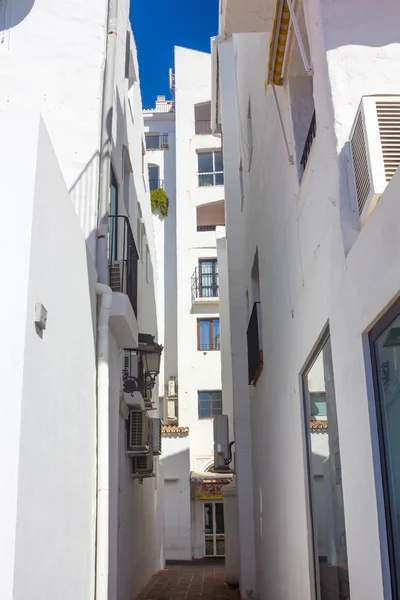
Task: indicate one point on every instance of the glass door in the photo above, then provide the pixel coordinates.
(208, 278)
(214, 529)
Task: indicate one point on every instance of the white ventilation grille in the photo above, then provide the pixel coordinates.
(142, 466)
(156, 436)
(138, 431)
(360, 163)
(375, 149)
(388, 114)
(116, 276)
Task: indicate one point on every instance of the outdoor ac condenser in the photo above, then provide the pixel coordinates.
(221, 442)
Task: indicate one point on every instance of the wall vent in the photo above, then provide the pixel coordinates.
(138, 438)
(375, 149)
(142, 466)
(156, 436)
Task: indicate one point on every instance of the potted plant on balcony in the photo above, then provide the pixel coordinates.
(164, 146)
(159, 201)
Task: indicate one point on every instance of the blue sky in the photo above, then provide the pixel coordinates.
(158, 26)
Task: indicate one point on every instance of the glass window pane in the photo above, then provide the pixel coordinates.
(208, 518)
(326, 480)
(218, 161)
(318, 404)
(205, 162)
(209, 549)
(204, 396)
(216, 334)
(205, 414)
(204, 335)
(219, 179)
(387, 352)
(206, 180)
(219, 517)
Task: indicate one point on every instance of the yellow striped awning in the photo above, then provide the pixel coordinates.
(277, 43)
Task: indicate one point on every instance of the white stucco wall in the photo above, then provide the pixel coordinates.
(49, 497)
(302, 234)
(65, 86)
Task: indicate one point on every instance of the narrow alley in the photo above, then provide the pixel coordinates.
(199, 580)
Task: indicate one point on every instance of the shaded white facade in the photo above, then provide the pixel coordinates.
(50, 173)
(188, 238)
(298, 248)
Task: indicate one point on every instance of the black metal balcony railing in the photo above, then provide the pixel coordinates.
(309, 140)
(212, 178)
(203, 127)
(254, 349)
(213, 345)
(157, 142)
(206, 227)
(133, 373)
(156, 184)
(205, 283)
(123, 258)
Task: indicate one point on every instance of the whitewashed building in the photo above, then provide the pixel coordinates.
(82, 490)
(308, 98)
(185, 159)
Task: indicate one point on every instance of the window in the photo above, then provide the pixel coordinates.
(241, 181)
(249, 135)
(325, 477)
(208, 278)
(301, 99)
(130, 74)
(208, 334)
(127, 174)
(139, 235)
(385, 353)
(210, 404)
(147, 263)
(209, 216)
(156, 141)
(202, 118)
(113, 212)
(154, 177)
(210, 168)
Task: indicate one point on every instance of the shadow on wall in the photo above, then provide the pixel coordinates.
(12, 12)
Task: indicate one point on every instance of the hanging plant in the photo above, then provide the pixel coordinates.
(159, 200)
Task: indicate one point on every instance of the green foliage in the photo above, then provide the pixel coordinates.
(159, 200)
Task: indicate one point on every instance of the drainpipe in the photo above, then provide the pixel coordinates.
(105, 293)
(105, 142)
(103, 485)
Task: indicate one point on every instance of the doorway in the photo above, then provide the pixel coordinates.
(214, 529)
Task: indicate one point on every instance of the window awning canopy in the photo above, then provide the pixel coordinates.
(209, 477)
(277, 43)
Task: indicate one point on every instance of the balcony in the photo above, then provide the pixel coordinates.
(123, 273)
(156, 141)
(309, 141)
(203, 127)
(156, 184)
(254, 347)
(247, 17)
(205, 285)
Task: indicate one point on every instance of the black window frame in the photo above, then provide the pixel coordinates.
(390, 315)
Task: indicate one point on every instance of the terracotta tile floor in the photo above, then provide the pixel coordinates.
(189, 581)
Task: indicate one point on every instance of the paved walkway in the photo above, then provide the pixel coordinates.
(189, 581)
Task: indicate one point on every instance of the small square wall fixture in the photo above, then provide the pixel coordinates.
(40, 316)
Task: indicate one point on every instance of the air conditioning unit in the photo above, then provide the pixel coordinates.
(221, 442)
(171, 387)
(375, 149)
(171, 410)
(142, 466)
(138, 434)
(156, 436)
(134, 399)
(117, 275)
